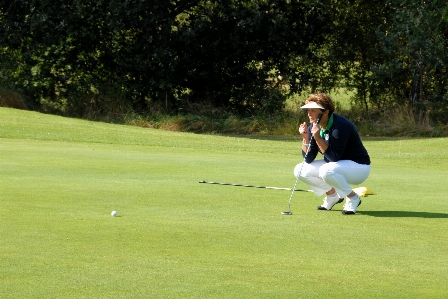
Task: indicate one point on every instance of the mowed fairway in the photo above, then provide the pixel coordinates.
(175, 238)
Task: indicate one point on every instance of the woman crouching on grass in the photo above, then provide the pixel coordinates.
(345, 160)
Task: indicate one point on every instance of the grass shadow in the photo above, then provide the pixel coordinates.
(397, 214)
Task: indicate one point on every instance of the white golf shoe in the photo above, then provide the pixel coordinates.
(330, 201)
(351, 205)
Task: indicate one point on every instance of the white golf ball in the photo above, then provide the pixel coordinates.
(114, 213)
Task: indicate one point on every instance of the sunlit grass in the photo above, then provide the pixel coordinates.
(175, 238)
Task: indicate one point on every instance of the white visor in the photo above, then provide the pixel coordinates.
(312, 105)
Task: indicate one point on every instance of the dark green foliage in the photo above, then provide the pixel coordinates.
(98, 57)
(414, 70)
(74, 54)
(352, 46)
(236, 55)
(78, 56)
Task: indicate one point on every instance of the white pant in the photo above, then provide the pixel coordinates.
(321, 176)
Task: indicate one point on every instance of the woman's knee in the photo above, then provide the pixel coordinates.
(326, 172)
(297, 169)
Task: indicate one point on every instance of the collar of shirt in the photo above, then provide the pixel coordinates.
(324, 132)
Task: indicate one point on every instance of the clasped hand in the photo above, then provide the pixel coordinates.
(303, 130)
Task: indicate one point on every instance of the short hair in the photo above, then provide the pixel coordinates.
(322, 99)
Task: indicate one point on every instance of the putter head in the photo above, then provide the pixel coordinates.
(287, 213)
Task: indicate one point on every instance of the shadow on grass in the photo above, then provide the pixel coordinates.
(398, 214)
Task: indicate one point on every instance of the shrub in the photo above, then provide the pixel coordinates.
(12, 99)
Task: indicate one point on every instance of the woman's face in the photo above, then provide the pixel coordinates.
(313, 114)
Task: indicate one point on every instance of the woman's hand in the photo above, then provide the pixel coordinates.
(303, 130)
(315, 131)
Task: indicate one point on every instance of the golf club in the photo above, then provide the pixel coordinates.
(300, 171)
(253, 186)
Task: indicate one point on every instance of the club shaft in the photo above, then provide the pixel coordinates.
(252, 186)
(300, 171)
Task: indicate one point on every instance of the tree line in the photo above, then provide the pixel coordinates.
(108, 56)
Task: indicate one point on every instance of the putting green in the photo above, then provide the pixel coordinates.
(61, 178)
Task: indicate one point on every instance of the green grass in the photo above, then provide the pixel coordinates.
(175, 238)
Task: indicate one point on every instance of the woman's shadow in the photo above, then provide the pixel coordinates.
(402, 214)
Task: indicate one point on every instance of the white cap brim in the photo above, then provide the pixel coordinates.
(312, 105)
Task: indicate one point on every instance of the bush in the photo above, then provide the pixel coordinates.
(12, 99)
